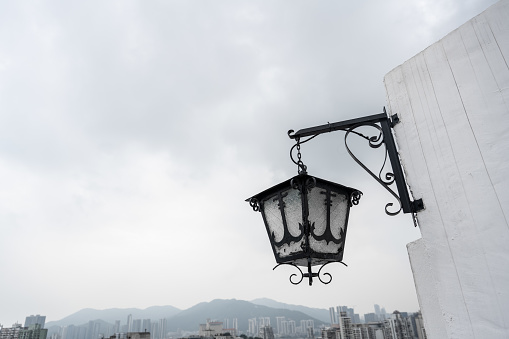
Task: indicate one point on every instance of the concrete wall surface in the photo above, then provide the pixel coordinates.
(453, 139)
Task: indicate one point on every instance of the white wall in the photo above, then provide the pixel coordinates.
(453, 102)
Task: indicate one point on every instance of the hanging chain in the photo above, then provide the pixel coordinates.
(301, 167)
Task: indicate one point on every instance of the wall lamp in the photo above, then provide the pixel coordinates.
(306, 217)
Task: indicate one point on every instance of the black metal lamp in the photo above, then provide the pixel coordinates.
(307, 217)
(306, 220)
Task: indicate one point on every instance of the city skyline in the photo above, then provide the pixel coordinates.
(132, 323)
(396, 325)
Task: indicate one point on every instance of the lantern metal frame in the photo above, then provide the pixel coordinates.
(305, 254)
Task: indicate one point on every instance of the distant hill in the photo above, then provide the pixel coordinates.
(220, 309)
(191, 318)
(318, 313)
(110, 315)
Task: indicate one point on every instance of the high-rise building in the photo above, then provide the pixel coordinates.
(351, 314)
(93, 329)
(329, 333)
(252, 326)
(420, 332)
(162, 328)
(35, 319)
(279, 326)
(305, 325)
(398, 327)
(310, 333)
(266, 332)
(291, 327)
(73, 332)
(154, 332)
(377, 309)
(129, 323)
(136, 326)
(263, 321)
(131, 335)
(345, 326)
(34, 331)
(370, 318)
(10, 332)
(145, 325)
(302, 327)
(332, 314)
(339, 309)
(359, 331)
(211, 328)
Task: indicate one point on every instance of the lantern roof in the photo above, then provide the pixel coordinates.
(302, 177)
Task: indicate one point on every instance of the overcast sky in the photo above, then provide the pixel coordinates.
(132, 131)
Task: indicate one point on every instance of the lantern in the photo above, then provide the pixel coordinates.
(306, 220)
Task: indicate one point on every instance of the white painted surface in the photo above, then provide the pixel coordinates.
(453, 102)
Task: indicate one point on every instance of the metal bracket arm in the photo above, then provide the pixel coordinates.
(386, 123)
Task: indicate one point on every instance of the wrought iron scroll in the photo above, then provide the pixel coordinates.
(355, 197)
(384, 137)
(310, 275)
(303, 186)
(255, 205)
(293, 274)
(375, 142)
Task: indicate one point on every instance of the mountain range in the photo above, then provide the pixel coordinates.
(189, 319)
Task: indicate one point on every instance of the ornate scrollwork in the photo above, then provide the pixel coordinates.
(293, 274)
(310, 274)
(375, 142)
(299, 185)
(255, 204)
(327, 273)
(389, 176)
(310, 183)
(355, 197)
(294, 184)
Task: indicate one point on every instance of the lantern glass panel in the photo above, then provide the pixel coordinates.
(338, 213)
(289, 249)
(293, 211)
(293, 215)
(274, 218)
(332, 243)
(317, 210)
